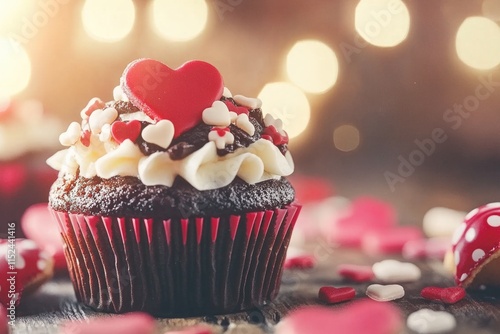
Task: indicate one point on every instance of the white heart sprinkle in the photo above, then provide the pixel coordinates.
(384, 293)
(470, 235)
(276, 122)
(100, 117)
(105, 134)
(41, 264)
(226, 92)
(429, 321)
(463, 277)
(493, 220)
(119, 95)
(72, 134)
(217, 114)
(249, 102)
(478, 254)
(233, 116)
(221, 141)
(160, 134)
(244, 124)
(392, 271)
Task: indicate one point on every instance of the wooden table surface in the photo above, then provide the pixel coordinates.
(55, 302)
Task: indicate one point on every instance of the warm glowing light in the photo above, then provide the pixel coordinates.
(478, 43)
(15, 68)
(8, 10)
(346, 138)
(108, 21)
(177, 20)
(491, 9)
(312, 65)
(382, 22)
(287, 102)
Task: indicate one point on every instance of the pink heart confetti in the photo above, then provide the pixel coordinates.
(332, 295)
(300, 262)
(383, 318)
(356, 273)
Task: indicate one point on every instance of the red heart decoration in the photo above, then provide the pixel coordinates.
(85, 138)
(178, 95)
(126, 130)
(446, 295)
(356, 273)
(300, 262)
(332, 295)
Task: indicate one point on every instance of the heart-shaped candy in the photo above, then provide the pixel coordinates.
(382, 318)
(305, 261)
(356, 273)
(394, 271)
(126, 130)
(332, 295)
(178, 95)
(217, 114)
(71, 135)
(160, 134)
(446, 295)
(385, 293)
(430, 321)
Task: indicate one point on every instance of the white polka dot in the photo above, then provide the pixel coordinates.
(20, 263)
(470, 235)
(41, 264)
(28, 244)
(44, 255)
(493, 220)
(463, 277)
(458, 233)
(471, 214)
(478, 254)
(457, 257)
(493, 205)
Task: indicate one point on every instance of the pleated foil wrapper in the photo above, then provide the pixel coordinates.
(177, 267)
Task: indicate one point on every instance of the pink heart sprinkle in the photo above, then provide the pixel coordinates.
(85, 138)
(126, 130)
(382, 318)
(449, 295)
(300, 262)
(332, 295)
(356, 273)
(131, 323)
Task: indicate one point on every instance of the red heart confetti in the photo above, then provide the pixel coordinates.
(94, 104)
(300, 262)
(178, 95)
(85, 138)
(446, 295)
(221, 132)
(126, 130)
(272, 134)
(234, 108)
(356, 273)
(332, 295)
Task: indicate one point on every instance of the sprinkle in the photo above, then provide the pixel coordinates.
(217, 114)
(384, 293)
(430, 321)
(332, 295)
(392, 271)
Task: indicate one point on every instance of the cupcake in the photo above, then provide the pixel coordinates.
(28, 136)
(172, 198)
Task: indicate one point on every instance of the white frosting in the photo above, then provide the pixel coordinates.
(204, 169)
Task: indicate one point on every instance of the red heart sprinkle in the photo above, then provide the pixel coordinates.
(356, 273)
(331, 295)
(234, 108)
(446, 295)
(126, 130)
(94, 104)
(85, 138)
(277, 138)
(178, 95)
(300, 262)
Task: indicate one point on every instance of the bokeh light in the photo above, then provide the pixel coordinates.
(478, 43)
(15, 68)
(177, 20)
(382, 23)
(491, 9)
(108, 21)
(287, 102)
(346, 138)
(312, 65)
(8, 12)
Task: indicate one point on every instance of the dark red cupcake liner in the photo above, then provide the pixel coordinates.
(177, 267)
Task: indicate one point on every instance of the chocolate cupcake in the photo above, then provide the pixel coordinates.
(172, 199)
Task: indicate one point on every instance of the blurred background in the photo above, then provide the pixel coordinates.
(394, 99)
